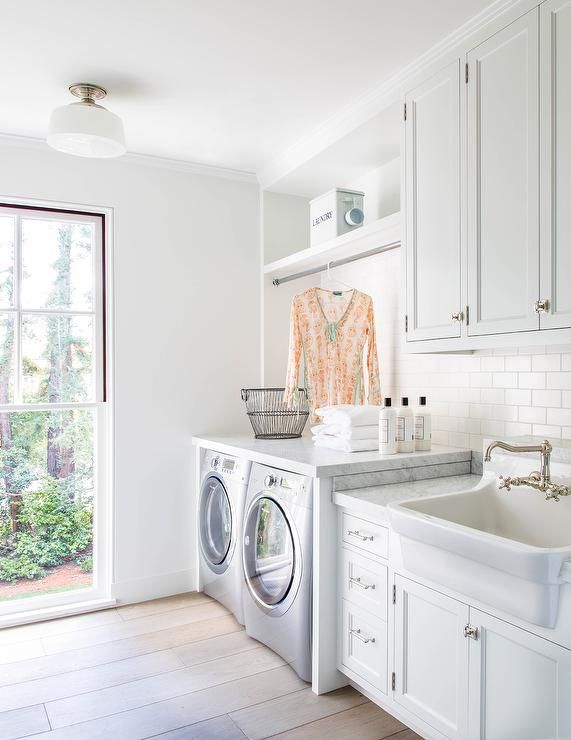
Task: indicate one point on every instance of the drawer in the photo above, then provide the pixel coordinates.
(363, 645)
(364, 582)
(370, 537)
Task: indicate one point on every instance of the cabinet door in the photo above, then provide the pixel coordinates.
(432, 154)
(520, 684)
(431, 657)
(555, 43)
(503, 180)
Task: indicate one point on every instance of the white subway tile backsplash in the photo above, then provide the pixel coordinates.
(531, 415)
(503, 413)
(492, 395)
(458, 439)
(519, 363)
(518, 397)
(492, 364)
(516, 429)
(546, 398)
(561, 417)
(493, 428)
(566, 362)
(560, 381)
(543, 430)
(542, 363)
(481, 380)
(532, 380)
(505, 380)
(566, 400)
(459, 409)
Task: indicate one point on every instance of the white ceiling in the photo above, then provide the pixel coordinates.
(225, 82)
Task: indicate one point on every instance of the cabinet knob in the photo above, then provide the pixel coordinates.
(458, 316)
(541, 306)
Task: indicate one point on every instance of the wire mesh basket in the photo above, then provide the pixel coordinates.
(271, 417)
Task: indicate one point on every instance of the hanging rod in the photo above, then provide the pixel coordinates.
(336, 263)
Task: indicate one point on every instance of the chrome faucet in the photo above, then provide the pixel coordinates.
(538, 479)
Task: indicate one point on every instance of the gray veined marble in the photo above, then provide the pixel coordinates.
(373, 501)
(400, 475)
(301, 455)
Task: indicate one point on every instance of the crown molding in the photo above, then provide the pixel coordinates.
(375, 101)
(145, 160)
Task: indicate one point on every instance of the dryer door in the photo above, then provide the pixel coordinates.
(272, 561)
(215, 524)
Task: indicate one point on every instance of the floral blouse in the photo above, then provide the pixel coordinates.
(330, 330)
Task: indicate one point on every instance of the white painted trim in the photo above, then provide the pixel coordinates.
(147, 160)
(347, 119)
(154, 587)
(54, 612)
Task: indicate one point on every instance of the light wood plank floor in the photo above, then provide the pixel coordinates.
(180, 667)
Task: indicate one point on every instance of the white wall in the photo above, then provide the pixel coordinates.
(186, 267)
(286, 225)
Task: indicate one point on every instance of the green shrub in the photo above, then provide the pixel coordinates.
(55, 526)
(11, 569)
(86, 563)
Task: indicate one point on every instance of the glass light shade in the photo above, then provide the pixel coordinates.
(86, 130)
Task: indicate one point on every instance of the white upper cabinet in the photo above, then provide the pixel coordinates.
(503, 180)
(555, 43)
(520, 684)
(432, 192)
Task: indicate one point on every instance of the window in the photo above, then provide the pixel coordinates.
(52, 410)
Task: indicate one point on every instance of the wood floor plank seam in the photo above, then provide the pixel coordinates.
(121, 608)
(177, 696)
(222, 714)
(47, 717)
(130, 657)
(142, 678)
(171, 729)
(239, 728)
(310, 722)
(98, 637)
(107, 662)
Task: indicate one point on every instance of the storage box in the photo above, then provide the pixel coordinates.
(334, 213)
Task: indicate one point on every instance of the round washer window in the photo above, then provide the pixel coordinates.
(269, 556)
(215, 521)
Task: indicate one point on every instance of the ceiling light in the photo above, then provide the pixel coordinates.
(86, 129)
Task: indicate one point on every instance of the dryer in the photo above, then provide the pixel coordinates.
(224, 482)
(277, 561)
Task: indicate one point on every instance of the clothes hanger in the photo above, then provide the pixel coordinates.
(331, 280)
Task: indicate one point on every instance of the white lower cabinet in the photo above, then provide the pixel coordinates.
(520, 684)
(431, 657)
(364, 645)
(457, 672)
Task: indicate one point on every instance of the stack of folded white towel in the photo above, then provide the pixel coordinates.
(347, 428)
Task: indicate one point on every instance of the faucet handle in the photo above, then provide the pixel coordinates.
(505, 483)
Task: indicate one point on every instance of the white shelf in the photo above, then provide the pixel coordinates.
(384, 232)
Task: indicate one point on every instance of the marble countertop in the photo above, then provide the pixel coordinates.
(301, 455)
(372, 501)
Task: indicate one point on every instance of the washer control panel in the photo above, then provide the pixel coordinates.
(288, 486)
(229, 467)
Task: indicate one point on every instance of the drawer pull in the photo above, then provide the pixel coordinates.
(359, 536)
(359, 582)
(359, 636)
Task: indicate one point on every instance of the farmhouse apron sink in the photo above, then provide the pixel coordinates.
(511, 550)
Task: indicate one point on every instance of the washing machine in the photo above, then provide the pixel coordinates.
(277, 560)
(222, 496)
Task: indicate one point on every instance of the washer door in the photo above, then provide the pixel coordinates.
(215, 524)
(272, 561)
